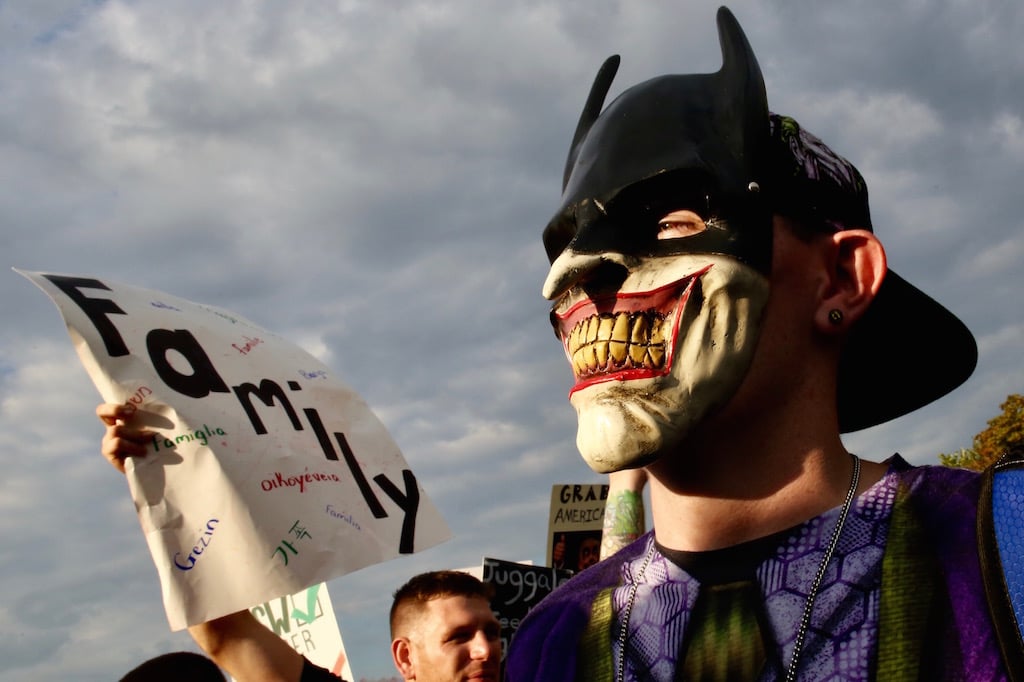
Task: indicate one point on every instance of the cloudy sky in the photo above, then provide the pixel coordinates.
(370, 179)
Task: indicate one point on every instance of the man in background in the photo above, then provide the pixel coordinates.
(443, 628)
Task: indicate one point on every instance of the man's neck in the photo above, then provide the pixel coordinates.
(739, 487)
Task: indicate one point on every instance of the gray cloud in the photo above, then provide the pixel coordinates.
(370, 180)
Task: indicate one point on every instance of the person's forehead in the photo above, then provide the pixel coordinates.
(453, 611)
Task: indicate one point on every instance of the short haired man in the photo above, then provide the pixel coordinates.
(728, 311)
(443, 628)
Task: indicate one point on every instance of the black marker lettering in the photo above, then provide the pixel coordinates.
(321, 433)
(409, 503)
(268, 393)
(204, 378)
(96, 309)
(357, 473)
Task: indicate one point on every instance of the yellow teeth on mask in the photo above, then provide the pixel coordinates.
(612, 342)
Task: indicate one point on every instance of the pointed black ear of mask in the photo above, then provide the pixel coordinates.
(670, 142)
(591, 110)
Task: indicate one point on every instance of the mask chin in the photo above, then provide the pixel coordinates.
(622, 427)
(628, 423)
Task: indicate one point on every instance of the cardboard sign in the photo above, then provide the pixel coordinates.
(306, 621)
(266, 474)
(574, 525)
(517, 589)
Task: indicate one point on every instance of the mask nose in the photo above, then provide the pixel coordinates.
(594, 272)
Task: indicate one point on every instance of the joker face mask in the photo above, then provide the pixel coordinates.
(660, 254)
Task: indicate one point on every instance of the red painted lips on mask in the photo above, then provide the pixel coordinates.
(624, 336)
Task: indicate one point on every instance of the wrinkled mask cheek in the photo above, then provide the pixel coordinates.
(629, 423)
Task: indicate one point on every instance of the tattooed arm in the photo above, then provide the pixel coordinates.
(624, 511)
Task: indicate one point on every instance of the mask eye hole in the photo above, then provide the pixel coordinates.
(678, 224)
(557, 236)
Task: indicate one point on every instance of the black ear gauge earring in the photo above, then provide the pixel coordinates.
(835, 316)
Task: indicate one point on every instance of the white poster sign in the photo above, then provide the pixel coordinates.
(266, 474)
(306, 621)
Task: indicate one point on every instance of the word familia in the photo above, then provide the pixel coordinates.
(204, 380)
(203, 435)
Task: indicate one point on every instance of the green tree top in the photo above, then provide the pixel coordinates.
(1003, 431)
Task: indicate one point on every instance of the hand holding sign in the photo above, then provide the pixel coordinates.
(263, 473)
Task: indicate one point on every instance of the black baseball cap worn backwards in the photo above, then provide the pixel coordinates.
(708, 143)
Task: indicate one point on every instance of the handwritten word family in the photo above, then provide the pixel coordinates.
(299, 533)
(202, 435)
(248, 345)
(301, 480)
(204, 379)
(219, 313)
(135, 400)
(201, 544)
(344, 516)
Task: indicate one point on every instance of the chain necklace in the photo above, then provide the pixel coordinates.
(805, 619)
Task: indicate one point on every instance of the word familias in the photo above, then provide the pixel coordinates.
(344, 516)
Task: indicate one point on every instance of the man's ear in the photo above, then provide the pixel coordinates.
(857, 268)
(401, 654)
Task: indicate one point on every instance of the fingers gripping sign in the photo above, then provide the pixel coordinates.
(119, 439)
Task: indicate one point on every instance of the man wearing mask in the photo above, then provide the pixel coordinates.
(728, 312)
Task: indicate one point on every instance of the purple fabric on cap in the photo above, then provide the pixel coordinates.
(807, 178)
